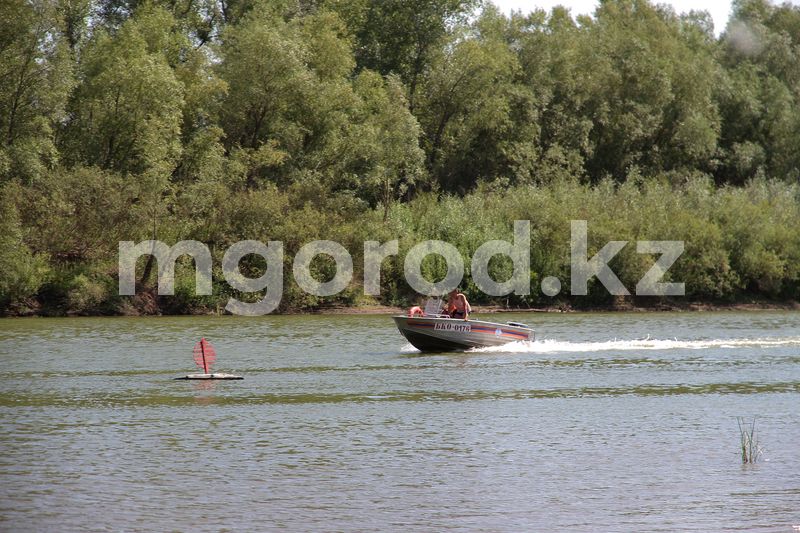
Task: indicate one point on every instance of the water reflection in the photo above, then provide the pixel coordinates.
(204, 391)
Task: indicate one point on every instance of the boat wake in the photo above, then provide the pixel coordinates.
(556, 346)
(409, 348)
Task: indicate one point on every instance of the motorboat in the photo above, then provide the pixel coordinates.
(431, 330)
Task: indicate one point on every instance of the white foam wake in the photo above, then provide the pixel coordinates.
(409, 348)
(554, 346)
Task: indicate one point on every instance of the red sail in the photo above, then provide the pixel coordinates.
(204, 355)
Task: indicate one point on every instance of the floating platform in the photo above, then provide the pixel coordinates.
(216, 375)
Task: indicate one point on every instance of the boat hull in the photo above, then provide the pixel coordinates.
(430, 334)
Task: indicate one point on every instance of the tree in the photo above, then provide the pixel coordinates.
(651, 94)
(21, 271)
(35, 80)
(465, 108)
(264, 65)
(388, 156)
(760, 98)
(126, 112)
(200, 20)
(402, 36)
(549, 49)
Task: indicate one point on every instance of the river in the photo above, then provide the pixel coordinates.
(608, 422)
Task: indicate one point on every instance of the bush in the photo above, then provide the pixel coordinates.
(22, 272)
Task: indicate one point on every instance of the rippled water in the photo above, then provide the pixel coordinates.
(608, 422)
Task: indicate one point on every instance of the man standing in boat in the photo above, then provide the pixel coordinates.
(457, 305)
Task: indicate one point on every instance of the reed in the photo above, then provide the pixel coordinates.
(749, 440)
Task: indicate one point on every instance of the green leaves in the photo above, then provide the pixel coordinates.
(761, 100)
(402, 36)
(351, 119)
(388, 156)
(22, 271)
(35, 81)
(294, 113)
(126, 114)
(465, 110)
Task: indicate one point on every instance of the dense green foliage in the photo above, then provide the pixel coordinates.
(354, 120)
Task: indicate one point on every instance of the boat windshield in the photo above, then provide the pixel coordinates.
(433, 307)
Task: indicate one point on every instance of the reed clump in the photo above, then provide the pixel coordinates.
(750, 448)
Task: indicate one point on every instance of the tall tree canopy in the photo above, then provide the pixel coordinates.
(230, 119)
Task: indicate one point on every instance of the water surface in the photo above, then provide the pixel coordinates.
(608, 422)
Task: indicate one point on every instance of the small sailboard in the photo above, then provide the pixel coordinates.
(204, 358)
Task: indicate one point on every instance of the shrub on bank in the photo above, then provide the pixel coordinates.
(739, 242)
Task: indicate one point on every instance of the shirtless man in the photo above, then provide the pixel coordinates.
(457, 305)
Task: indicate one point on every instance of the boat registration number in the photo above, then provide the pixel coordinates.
(449, 326)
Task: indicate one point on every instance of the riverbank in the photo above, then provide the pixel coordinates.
(148, 303)
(625, 306)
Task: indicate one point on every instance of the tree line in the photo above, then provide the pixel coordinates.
(353, 120)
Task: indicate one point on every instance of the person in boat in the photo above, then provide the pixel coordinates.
(457, 305)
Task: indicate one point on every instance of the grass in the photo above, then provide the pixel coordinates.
(749, 440)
